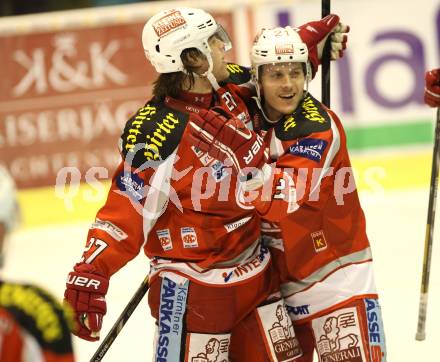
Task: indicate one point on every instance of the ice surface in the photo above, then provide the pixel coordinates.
(396, 225)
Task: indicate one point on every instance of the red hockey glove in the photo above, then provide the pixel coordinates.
(432, 88)
(229, 139)
(338, 41)
(315, 34)
(232, 100)
(85, 292)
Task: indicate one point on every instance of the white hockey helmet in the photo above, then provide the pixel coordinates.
(169, 32)
(279, 45)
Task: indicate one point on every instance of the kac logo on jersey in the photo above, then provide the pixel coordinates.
(164, 237)
(131, 185)
(189, 237)
(311, 148)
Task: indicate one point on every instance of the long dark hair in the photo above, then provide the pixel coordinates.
(171, 84)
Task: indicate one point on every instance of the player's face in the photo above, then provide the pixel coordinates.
(218, 58)
(282, 85)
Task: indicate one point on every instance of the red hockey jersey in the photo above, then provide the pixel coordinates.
(313, 218)
(185, 209)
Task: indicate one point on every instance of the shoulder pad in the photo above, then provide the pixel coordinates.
(238, 74)
(308, 118)
(26, 303)
(152, 134)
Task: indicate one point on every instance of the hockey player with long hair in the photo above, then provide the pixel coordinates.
(209, 271)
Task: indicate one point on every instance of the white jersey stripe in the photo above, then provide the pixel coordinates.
(322, 273)
(345, 283)
(158, 194)
(253, 265)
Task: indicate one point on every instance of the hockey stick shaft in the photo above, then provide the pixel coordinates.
(325, 62)
(423, 304)
(120, 322)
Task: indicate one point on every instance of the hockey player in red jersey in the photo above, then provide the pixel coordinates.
(33, 325)
(432, 88)
(319, 239)
(187, 209)
(312, 218)
(209, 271)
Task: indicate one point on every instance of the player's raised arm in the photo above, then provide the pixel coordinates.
(315, 34)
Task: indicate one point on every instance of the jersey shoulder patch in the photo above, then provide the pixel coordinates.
(40, 314)
(308, 118)
(238, 74)
(152, 134)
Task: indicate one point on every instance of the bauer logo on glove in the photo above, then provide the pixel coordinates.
(82, 281)
(227, 139)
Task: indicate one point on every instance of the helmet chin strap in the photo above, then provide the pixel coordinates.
(308, 78)
(258, 101)
(260, 107)
(212, 80)
(258, 97)
(209, 75)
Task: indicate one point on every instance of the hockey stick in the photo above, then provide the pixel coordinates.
(423, 304)
(325, 77)
(120, 322)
